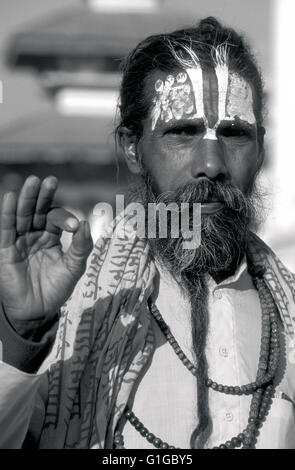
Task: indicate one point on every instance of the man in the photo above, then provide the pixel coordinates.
(159, 346)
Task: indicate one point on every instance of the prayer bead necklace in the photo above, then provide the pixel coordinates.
(262, 389)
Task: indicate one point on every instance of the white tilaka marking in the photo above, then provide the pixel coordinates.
(196, 76)
(222, 80)
(210, 134)
(235, 98)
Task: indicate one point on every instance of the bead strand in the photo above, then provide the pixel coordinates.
(262, 377)
(262, 389)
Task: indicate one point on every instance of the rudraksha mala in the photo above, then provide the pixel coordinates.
(262, 389)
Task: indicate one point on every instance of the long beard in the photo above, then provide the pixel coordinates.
(223, 242)
(224, 235)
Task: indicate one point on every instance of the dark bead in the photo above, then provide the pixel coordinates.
(138, 426)
(226, 389)
(157, 442)
(209, 382)
(220, 388)
(266, 334)
(252, 428)
(235, 441)
(144, 431)
(232, 390)
(247, 441)
(244, 389)
(228, 444)
(128, 414)
(222, 446)
(133, 420)
(164, 445)
(150, 437)
(241, 437)
(214, 385)
(237, 390)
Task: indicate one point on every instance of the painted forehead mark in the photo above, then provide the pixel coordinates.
(210, 90)
(239, 99)
(196, 77)
(174, 99)
(222, 80)
(183, 96)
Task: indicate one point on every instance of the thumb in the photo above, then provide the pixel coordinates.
(79, 250)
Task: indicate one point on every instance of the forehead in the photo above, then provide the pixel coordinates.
(213, 95)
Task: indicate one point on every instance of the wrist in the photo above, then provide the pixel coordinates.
(25, 354)
(31, 330)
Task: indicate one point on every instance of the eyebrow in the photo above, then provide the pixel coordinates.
(180, 122)
(237, 122)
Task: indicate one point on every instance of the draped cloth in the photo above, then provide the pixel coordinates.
(105, 336)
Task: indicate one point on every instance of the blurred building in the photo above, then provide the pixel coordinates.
(75, 56)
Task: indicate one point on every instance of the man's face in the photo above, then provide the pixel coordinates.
(200, 144)
(201, 125)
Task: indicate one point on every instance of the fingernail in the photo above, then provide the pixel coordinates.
(51, 182)
(72, 223)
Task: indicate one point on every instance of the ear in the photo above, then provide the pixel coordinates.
(128, 143)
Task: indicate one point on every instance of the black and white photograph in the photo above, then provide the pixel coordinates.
(147, 227)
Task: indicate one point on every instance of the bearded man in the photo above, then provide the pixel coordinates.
(159, 346)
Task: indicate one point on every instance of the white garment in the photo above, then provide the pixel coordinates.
(166, 398)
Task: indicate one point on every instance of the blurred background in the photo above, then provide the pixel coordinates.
(59, 71)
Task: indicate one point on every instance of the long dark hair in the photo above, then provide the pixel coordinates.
(210, 43)
(163, 52)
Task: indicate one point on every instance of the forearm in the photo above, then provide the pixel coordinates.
(19, 395)
(22, 404)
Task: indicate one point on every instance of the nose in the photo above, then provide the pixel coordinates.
(208, 161)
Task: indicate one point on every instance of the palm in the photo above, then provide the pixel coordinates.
(36, 276)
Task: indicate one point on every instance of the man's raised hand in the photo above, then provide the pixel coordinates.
(36, 276)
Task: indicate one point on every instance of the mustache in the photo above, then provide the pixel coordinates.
(224, 234)
(206, 191)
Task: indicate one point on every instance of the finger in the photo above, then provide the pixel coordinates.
(59, 219)
(26, 204)
(79, 250)
(8, 220)
(44, 202)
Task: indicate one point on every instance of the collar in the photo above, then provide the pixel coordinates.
(242, 270)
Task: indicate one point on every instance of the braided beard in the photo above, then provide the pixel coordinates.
(223, 242)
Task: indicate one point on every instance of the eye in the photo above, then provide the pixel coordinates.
(185, 130)
(234, 130)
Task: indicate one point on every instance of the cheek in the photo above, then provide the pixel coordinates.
(165, 163)
(242, 161)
